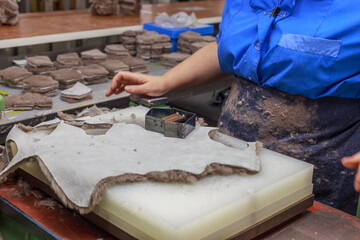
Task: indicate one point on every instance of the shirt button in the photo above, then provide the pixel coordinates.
(257, 46)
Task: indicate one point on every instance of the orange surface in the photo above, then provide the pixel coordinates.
(46, 23)
(58, 219)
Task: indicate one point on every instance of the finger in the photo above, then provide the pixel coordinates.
(125, 77)
(357, 180)
(118, 80)
(139, 89)
(119, 90)
(351, 162)
(109, 92)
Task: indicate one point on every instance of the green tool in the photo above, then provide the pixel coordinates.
(2, 107)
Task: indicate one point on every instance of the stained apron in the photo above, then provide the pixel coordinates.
(318, 131)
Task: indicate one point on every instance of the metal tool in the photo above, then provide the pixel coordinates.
(149, 101)
(171, 122)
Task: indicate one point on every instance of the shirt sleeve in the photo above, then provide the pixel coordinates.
(224, 19)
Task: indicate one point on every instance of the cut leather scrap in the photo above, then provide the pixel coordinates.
(68, 60)
(114, 66)
(93, 56)
(172, 59)
(14, 76)
(41, 84)
(40, 65)
(28, 101)
(80, 169)
(136, 64)
(93, 74)
(67, 77)
(9, 12)
(79, 92)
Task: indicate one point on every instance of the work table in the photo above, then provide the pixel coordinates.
(57, 222)
(58, 26)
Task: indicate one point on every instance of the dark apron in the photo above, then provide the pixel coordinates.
(320, 132)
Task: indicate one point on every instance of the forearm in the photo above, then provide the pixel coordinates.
(200, 68)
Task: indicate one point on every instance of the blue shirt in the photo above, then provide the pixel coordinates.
(310, 48)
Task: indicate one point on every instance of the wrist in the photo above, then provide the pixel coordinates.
(165, 84)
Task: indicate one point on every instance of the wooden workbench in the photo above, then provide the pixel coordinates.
(59, 26)
(58, 222)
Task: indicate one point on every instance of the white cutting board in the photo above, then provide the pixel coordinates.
(216, 207)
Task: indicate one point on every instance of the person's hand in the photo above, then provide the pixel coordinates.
(136, 83)
(353, 162)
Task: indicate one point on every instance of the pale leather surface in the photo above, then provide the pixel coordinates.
(78, 164)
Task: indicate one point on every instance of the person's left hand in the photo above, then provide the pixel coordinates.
(353, 162)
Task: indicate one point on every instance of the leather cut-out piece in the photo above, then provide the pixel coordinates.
(66, 77)
(40, 65)
(172, 59)
(185, 40)
(28, 101)
(105, 7)
(190, 42)
(136, 64)
(116, 51)
(114, 66)
(197, 46)
(41, 84)
(150, 45)
(126, 153)
(68, 60)
(93, 74)
(208, 38)
(92, 56)
(9, 12)
(130, 7)
(14, 76)
(79, 92)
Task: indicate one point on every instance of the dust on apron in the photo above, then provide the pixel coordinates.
(319, 131)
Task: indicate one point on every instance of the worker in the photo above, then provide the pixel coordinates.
(297, 87)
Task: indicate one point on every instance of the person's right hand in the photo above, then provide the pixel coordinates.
(136, 83)
(353, 162)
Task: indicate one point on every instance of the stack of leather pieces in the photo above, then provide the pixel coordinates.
(208, 38)
(105, 7)
(93, 56)
(136, 64)
(205, 40)
(116, 51)
(159, 48)
(114, 66)
(190, 42)
(128, 39)
(143, 44)
(9, 12)
(150, 45)
(27, 101)
(14, 76)
(40, 65)
(130, 7)
(186, 39)
(67, 77)
(172, 59)
(79, 92)
(68, 60)
(93, 74)
(197, 46)
(41, 84)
